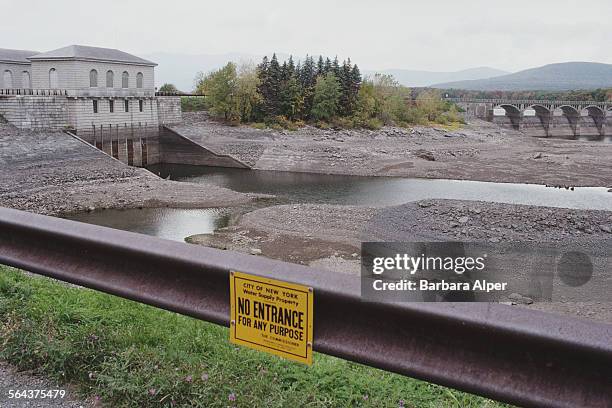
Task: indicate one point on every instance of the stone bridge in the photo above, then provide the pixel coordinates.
(544, 118)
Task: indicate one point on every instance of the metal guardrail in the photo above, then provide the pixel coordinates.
(510, 354)
(34, 92)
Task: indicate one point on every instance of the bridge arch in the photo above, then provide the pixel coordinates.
(569, 110)
(513, 113)
(596, 116)
(510, 109)
(541, 110)
(593, 110)
(544, 114)
(571, 115)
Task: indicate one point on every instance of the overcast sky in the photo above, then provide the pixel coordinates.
(442, 35)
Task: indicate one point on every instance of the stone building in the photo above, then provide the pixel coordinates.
(106, 87)
(104, 96)
(15, 68)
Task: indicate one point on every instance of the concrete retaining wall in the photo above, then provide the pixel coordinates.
(177, 149)
(131, 144)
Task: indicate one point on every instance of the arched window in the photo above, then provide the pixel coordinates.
(93, 78)
(110, 79)
(25, 80)
(7, 79)
(125, 80)
(53, 78)
(139, 79)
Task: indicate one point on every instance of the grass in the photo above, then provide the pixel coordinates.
(131, 355)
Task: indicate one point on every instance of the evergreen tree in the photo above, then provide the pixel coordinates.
(320, 66)
(270, 85)
(355, 81)
(308, 80)
(308, 75)
(346, 102)
(303, 90)
(290, 67)
(284, 72)
(335, 67)
(328, 66)
(298, 69)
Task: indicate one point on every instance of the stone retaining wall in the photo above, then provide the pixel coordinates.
(36, 112)
(169, 109)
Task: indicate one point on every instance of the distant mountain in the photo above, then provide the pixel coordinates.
(553, 77)
(181, 69)
(409, 77)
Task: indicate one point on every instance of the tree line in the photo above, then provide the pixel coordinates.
(599, 95)
(322, 91)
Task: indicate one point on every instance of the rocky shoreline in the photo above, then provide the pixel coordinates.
(54, 174)
(479, 151)
(329, 236)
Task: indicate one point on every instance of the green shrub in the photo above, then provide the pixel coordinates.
(194, 103)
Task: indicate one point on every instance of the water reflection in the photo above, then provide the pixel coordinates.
(169, 223)
(378, 191)
(176, 224)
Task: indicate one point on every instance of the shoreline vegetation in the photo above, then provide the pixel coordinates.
(123, 354)
(324, 93)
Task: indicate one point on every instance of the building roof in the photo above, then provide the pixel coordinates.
(16, 56)
(86, 53)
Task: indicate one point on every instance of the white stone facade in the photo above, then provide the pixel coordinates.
(15, 69)
(15, 76)
(74, 77)
(84, 118)
(84, 89)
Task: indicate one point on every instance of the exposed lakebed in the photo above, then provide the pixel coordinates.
(176, 224)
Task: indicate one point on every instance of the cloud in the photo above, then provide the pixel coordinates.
(436, 35)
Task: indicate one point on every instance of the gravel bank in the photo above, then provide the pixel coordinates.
(53, 173)
(479, 151)
(329, 237)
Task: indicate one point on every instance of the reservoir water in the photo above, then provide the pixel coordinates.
(176, 224)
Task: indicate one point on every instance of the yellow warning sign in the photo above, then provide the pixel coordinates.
(271, 316)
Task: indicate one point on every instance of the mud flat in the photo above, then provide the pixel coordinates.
(478, 151)
(53, 173)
